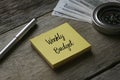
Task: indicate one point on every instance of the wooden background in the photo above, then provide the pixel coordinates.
(23, 62)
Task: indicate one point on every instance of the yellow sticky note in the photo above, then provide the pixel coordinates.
(60, 44)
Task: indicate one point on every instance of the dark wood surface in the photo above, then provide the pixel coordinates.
(111, 74)
(16, 12)
(23, 62)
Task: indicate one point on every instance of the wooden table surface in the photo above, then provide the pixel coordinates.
(23, 62)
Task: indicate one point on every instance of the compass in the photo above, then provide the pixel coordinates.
(106, 18)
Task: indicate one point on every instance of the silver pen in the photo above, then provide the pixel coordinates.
(17, 37)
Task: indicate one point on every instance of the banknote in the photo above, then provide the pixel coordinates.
(80, 10)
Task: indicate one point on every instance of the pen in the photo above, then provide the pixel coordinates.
(17, 37)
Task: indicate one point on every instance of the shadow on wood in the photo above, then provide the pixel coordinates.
(73, 62)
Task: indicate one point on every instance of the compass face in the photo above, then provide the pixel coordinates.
(110, 15)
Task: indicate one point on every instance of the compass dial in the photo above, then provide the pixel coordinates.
(110, 16)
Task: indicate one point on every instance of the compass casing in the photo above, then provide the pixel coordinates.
(106, 18)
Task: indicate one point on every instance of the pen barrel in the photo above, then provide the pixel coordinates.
(17, 37)
(26, 29)
(8, 47)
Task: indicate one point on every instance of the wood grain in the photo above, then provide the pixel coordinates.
(16, 12)
(112, 74)
(25, 64)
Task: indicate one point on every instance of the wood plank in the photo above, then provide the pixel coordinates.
(112, 74)
(16, 12)
(25, 64)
